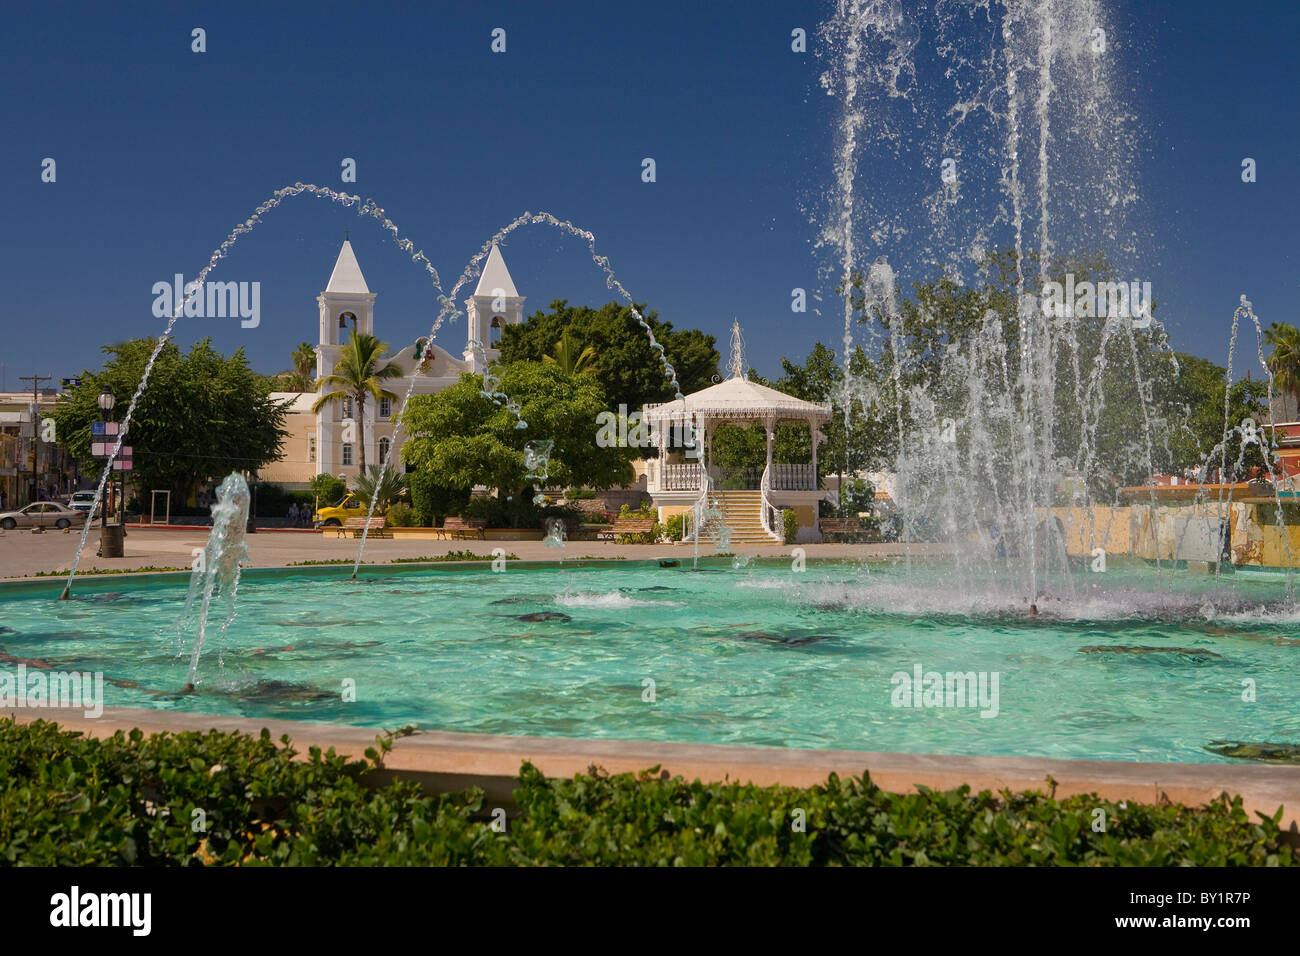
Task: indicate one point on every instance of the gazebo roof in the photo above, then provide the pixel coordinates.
(738, 398)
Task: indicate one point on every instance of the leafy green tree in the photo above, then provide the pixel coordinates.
(432, 500)
(202, 415)
(328, 488)
(464, 439)
(1197, 395)
(629, 370)
(358, 374)
(1112, 413)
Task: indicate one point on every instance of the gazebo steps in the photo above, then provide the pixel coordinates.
(742, 514)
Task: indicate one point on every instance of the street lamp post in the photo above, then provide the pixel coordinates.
(110, 535)
(251, 526)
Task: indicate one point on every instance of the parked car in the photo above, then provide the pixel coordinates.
(349, 506)
(42, 514)
(84, 502)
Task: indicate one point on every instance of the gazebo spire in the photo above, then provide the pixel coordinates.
(737, 351)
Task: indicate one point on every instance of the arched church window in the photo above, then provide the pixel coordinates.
(384, 445)
(345, 318)
(346, 457)
(494, 331)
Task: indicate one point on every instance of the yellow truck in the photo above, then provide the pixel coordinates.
(349, 506)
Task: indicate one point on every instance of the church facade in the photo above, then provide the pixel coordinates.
(328, 441)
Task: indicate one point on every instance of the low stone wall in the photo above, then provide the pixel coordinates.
(1187, 531)
(1087, 529)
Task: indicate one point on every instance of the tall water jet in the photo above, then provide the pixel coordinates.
(999, 121)
(215, 578)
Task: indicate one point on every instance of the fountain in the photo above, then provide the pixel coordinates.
(1012, 416)
(998, 415)
(216, 574)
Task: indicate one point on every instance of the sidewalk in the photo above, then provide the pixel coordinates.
(23, 554)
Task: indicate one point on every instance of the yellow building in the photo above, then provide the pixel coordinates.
(328, 441)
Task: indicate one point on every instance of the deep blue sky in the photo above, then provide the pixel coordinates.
(161, 152)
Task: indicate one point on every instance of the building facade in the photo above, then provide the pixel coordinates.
(33, 466)
(328, 441)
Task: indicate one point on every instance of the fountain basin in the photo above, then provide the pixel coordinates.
(758, 656)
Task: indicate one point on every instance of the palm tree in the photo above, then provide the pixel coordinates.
(304, 366)
(1284, 362)
(391, 487)
(357, 374)
(568, 357)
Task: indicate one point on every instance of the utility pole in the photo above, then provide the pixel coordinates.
(36, 424)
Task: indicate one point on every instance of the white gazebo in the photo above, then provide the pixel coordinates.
(684, 474)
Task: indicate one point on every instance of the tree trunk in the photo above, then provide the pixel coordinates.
(361, 429)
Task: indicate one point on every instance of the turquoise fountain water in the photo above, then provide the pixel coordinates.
(766, 655)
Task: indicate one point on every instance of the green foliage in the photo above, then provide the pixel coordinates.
(202, 416)
(130, 800)
(518, 511)
(388, 482)
(627, 369)
(301, 377)
(1284, 360)
(433, 501)
(571, 357)
(789, 525)
(328, 488)
(674, 527)
(1195, 395)
(859, 496)
(579, 494)
(466, 439)
(400, 515)
(738, 447)
(1119, 389)
(645, 510)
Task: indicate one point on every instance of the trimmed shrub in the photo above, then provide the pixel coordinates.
(674, 527)
(66, 800)
(401, 515)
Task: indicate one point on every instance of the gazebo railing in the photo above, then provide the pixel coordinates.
(683, 477)
(787, 477)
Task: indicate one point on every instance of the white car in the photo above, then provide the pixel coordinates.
(83, 501)
(42, 514)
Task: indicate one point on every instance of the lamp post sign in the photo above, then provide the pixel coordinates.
(103, 437)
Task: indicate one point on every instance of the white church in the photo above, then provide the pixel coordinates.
(318, 443)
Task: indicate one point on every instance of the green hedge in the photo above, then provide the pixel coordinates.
(131, 799)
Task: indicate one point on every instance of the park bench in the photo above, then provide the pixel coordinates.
(628, 528)
(460, 528)
(358, 525)
(849, 529)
